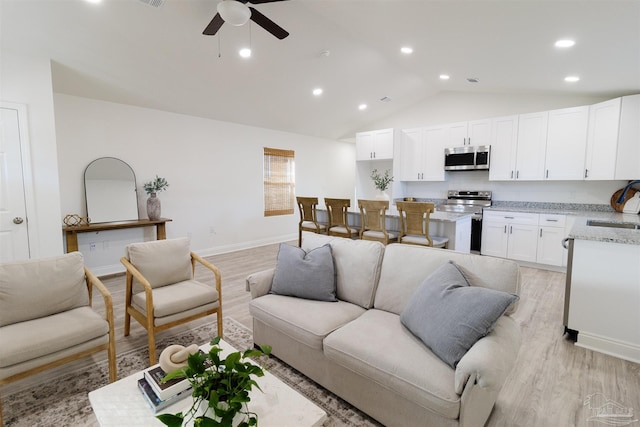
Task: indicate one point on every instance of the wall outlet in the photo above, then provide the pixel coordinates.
(92, 247)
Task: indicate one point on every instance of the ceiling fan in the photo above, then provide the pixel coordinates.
(236, 12)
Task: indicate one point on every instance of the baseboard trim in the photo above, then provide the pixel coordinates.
(621, 349)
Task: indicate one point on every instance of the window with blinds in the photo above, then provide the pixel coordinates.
(279, 182)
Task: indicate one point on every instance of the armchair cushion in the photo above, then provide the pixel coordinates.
(162, 262)
(301, 274)
(39, 288)
(176, 298)
(449, 315)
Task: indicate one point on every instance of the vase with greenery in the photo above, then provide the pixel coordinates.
(220, 388)
(153, 202)
(381, 182)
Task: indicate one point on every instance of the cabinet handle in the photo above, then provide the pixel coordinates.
(586, 173)
(511, 229)
(551, 220)
(541, 232)
(511, 174)
(509, 217)
(547, 175)
(517, 174)
(422, 175)
(469, 140)
(505, 228)
(374, 154)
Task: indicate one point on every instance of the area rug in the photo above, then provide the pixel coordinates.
(64, 401)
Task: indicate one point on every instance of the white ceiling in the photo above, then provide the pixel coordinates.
(126, 51)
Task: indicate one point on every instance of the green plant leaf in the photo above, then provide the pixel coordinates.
(171, 420)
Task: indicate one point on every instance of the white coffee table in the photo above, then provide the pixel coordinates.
(122, 404)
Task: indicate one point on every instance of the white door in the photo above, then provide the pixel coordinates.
(504, 140)
(14, 237)
(567, 143)
(532, 142)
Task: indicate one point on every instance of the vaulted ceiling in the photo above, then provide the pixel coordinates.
(131, 52)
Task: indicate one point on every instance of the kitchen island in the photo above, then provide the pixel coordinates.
(455, 226)
(602, 298)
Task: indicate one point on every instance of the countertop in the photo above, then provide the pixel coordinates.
(581, 230)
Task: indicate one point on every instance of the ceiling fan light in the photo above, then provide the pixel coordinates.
(234, 12)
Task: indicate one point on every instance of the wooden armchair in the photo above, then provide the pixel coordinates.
(161, 292)
(308, 217)
(373, 216)
(47, 319)
(337, 212)
(414, 224)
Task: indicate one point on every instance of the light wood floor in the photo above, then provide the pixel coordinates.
(548, 386)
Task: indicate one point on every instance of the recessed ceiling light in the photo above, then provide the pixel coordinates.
(362, 107)
(317, 91)
(245, 53)
(444, 77)
(473, 80)
(565, 43)
(406, 50)
(572, 79)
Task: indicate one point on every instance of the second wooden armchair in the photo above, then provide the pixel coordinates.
(160, 289)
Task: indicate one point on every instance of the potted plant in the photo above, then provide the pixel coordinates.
(220, 387)
(381, 182)
(153, 202)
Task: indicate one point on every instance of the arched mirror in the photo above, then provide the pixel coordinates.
(110, 191)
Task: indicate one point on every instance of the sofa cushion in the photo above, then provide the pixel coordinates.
(303, 274)
(378, 347)
(39, 337)
(306, 321)
(449, 315)
(357, 264)
(38, 288)
(404, 267)
(161, 262)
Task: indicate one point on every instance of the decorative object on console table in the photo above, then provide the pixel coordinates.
(153, 202)
(220, 385)
(381, 183)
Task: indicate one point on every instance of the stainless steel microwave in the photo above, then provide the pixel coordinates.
(468, 157)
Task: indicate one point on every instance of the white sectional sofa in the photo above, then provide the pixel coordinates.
(358, 348)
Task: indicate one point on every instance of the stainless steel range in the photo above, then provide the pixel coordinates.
(469, 202)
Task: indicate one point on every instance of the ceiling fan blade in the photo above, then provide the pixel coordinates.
(214, 25)
(268, 24)
(262, 1)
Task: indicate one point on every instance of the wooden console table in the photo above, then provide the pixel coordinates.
(72, 231)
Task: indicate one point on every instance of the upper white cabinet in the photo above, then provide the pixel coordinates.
(422, 154)
(477, 132)
(375, 145)
(532, 141)
(566, 143)
(602, 140)
(504, 142)
(628, 156)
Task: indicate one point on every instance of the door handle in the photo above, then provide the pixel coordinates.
(18, 220)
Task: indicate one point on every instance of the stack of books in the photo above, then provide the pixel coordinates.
(159, 395)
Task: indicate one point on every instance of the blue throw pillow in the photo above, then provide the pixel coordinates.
(305, 275)
(449, 315)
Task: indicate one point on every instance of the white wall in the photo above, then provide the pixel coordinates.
(26, 80)
(214, 170)
(449, 107)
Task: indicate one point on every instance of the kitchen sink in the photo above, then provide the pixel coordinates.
(626, 225)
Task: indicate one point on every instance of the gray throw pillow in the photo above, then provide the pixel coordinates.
(301, 274)
(449, 315)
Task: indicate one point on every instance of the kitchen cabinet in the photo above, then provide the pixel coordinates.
(422, 154)
(476, 132)
(566, 143)
(512, 235)
(628, 155)
(504, 143)
(602, 140)
(532, 141)
(551, 233)
(375, 145)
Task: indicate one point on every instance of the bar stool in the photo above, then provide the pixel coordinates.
(414, 225)
(337, 210)
(373, 215)
(308, 217)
